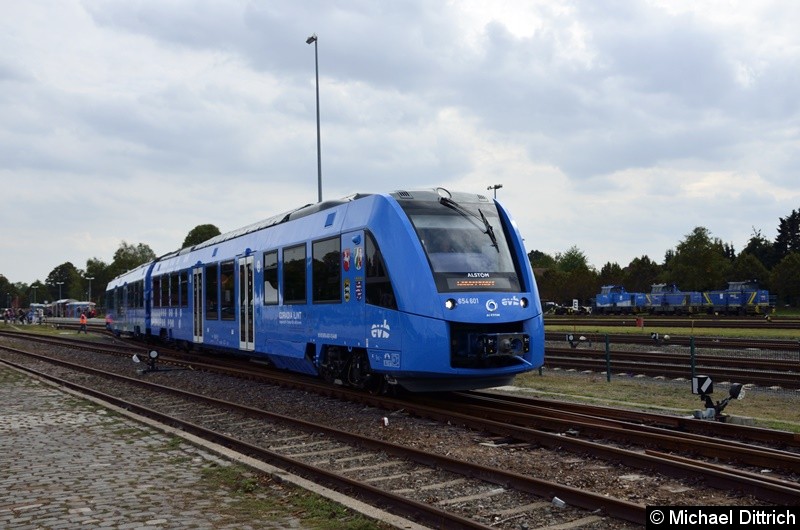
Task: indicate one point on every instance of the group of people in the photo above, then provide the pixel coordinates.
(22, 316)
(37, 315)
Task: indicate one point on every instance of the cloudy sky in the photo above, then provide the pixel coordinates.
(613, 126)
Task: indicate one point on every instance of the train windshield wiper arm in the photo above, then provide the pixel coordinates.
(488, 230)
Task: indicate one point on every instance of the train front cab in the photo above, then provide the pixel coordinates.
(469, 310)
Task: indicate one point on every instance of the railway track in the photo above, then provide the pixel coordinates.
(792, 347)
(730, 431)
(427, 487)
(734, 443)
(699, 321)
(577, 431)
(765, 372)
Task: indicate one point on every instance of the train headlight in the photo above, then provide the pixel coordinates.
(450, 303)
(523, 302)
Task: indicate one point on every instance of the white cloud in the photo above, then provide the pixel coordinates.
(617, 127)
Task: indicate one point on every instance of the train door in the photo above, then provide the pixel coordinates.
(381, 317)
(246, 295)
(197, 305)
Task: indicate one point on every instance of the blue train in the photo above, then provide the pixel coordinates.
(615, 299)
(740, 298)
(429, 290)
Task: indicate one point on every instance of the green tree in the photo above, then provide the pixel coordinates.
(762, 249)
(641, 274)
(700, 262)
(611, 274)
(36, 293)
(8, 291)
(77, 289)
(582, 284)
(788, 238)
(668, 255)
(729, 251)
(541, 260)
(128, 257)
(552, 285)
(574, 280)
(572, 259)
(66, 273)
(785, 279)
(101, 274)
(200, 233)
(748, 267)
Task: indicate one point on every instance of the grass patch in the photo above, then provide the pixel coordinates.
(53, 330)
(257, 497)
(173, 444)
(774, 410)
(127, 433)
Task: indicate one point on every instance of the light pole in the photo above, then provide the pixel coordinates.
(495, 187)
(59, 289)
(90, 278)
(313, 38)
(34, 292)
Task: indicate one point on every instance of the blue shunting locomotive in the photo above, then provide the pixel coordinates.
(740, 298)
(615, 299)
(429, 290)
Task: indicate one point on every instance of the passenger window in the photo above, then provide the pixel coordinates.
(226, 283)
(326, 271)
(157, 291)
(212, 293)
(271, 278)
(174, 298)
(379, 289)
(294, 275)
(184, 289)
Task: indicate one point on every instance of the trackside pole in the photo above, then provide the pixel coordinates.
(608, 360)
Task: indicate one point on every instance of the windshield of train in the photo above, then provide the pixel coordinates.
(466, 245)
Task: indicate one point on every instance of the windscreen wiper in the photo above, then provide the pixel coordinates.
(450, 203)
(489, 230)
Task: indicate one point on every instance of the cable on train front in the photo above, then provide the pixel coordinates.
(473, 296)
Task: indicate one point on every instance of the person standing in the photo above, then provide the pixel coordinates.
(83, 324)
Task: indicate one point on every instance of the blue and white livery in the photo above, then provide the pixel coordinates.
(430, 290)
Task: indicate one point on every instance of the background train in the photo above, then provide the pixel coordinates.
(740, 298)
(426, 289)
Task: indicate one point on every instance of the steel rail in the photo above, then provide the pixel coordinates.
(678, 423)
(763, 378)
(582, 424)
(617, 508)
